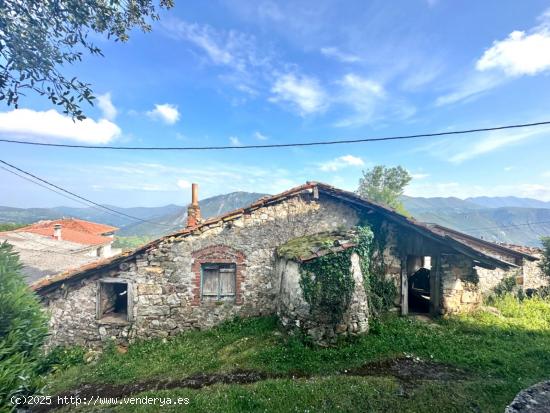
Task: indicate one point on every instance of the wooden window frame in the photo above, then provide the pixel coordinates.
(217, 254)
(219, 266)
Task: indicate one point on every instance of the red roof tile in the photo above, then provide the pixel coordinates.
(74, 224)
(73, 230)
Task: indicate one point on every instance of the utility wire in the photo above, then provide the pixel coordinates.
(81, 197)
(58, 192)
(279, 145)
(55, 191)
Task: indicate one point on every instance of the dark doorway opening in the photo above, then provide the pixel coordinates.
(419, 284)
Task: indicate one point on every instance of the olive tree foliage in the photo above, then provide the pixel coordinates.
(38, 37)
(385, 185)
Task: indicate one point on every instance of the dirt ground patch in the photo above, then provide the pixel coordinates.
(408, 370)
(197, 381)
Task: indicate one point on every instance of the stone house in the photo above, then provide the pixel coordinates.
(50, 246)
(228, 266)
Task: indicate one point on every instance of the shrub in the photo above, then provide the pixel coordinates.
(61, 358)
(22, 330)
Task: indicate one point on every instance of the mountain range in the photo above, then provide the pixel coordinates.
(500, 219)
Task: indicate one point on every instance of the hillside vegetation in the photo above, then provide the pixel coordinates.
(475, 362)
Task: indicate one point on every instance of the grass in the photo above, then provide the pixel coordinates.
(501, 353)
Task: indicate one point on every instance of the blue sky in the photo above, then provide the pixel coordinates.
(240, 72)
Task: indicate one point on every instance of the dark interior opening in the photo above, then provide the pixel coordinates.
(114, 300)
(419, 291)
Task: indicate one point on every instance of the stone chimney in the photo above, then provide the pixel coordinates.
(57, 232)
(193, 210)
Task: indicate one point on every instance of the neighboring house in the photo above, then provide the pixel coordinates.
(49, 247)
(229, 266)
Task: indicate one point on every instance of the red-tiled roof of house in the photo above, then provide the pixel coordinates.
(74, 224)
(314, 187)
(73, 230)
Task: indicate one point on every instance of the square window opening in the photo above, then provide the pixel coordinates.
(218, 282)
(113, 301)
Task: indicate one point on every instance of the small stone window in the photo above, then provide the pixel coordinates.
(218, 281)
(113, 299)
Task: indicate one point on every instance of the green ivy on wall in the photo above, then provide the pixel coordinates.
(381, 291)
(327, 282)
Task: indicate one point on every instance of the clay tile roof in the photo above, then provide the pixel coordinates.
(73, 230)
(75, 224)
(346, 196)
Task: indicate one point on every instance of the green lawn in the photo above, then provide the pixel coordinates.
(500, 354)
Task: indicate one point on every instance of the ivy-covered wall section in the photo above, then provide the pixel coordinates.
(325, 284)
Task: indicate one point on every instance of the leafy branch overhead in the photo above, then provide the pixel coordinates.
(385, 185)
(37, 38)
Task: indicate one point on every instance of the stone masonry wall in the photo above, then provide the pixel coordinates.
(529, 275)
(459, 283)
(164, 282)
(294, 312)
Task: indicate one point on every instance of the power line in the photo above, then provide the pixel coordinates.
(59, 192)
(279, 145)
(53, 190)
(81, 197)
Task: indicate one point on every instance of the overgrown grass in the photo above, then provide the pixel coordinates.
(502, 353)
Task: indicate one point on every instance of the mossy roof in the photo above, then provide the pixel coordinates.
(312, 246)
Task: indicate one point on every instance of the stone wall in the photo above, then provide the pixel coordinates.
(163, 280)
(294, 312)
(532, 274)
(528, 276)
(459, 283)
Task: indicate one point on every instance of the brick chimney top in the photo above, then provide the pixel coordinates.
(57, 232)
(193, 210)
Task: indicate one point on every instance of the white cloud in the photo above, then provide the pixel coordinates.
(339, 55)
(490, 143)
(235, 141)
(521, 53)
(340, 163)
(106, 105)
(369, 101)
(213, 176)
(260, 136)
(52, 124)
(303, 92)
(474, 86)
(166, 112)
(183, 184)
(229, 48)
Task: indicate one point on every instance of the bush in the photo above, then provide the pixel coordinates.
(61, 358)
(22, 330)
(505, 286)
